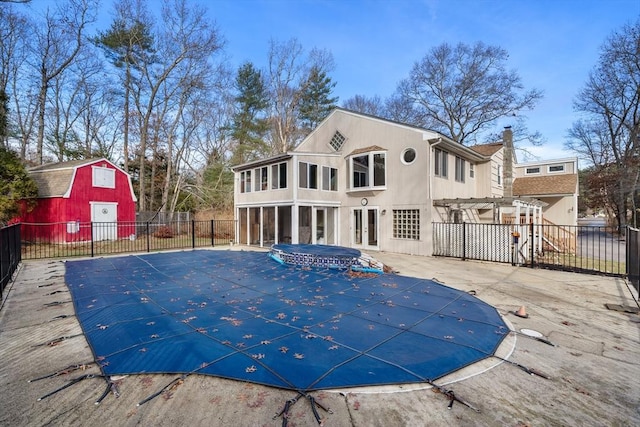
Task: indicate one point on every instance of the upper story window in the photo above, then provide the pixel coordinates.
(440, 163)
(472, 172)
(337, 141)
(556, 168)
(329, 179)
(532, 170)
(368, 170)
(245, 182)
(262, 179)
(460, 169)
(499, 175)
(279, 176)
(307, 175)
(408, 156)
(104, 177)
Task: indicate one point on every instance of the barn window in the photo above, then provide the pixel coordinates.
(104, 177)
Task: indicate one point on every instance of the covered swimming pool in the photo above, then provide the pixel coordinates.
(241, 315)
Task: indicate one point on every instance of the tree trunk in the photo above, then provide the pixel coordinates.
(125, 138)
(42, 100)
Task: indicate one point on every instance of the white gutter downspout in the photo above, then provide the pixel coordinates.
(294, 208)
(430, 169)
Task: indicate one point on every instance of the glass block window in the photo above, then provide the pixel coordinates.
(337, 140)
(406, 224)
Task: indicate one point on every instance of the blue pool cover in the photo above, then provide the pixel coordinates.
(241, 315)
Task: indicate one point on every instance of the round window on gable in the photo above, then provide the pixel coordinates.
(408, 156)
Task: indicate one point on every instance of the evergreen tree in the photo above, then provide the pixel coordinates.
(15, 185)
(250, 123)
(316, 101)
(126, 43)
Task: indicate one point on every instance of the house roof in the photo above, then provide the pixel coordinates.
(487, 149)
(56, 179)
(261, 162)
(366, 150)
(545, 185)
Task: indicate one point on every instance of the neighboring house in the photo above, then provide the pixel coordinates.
(85, 198)
(373, 184)
(554, 182)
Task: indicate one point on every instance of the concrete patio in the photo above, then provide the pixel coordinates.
(594, 368)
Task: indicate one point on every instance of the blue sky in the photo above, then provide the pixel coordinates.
(553, 44)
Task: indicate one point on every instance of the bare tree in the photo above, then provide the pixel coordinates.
(58, 42)
(186, 42)
(287, 65)
(608, 135)
(367, 105)
(13, 35)
(463, 90)
(290, 73)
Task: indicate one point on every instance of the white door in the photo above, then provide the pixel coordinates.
(364, 226)
(104, 217)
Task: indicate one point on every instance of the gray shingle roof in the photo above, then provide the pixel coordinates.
(54, 179)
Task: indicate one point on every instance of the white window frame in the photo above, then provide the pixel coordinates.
(337, 141)
(310, 175)
(103, 177)
(370, 174)
(499, 175)
(472, 172)
(407, 151)
(459, 169)
(556, 166)
(261, 182)
(245, 181)
(440, 163)
(329, 184)
(532, 170)
(277, 175)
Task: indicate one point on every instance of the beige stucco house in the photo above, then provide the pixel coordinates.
(373, 184)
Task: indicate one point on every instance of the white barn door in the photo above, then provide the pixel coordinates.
(104, 217)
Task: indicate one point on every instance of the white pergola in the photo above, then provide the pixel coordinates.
(526, 211)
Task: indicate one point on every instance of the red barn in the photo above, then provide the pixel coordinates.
(85, 199)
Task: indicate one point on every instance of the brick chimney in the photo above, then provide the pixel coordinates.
(507, 161)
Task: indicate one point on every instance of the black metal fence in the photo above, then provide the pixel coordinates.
(588, 249)
(71, 239)
(633, 258)
(10, 255)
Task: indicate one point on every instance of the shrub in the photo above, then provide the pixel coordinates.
(163, 232)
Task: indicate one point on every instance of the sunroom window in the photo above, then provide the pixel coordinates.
(308, 175)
